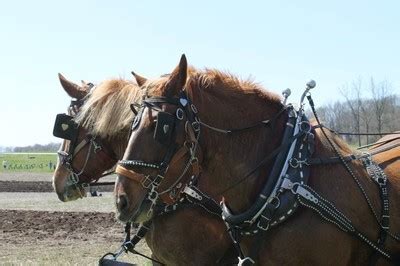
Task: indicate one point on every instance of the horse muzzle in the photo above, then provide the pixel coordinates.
(128, 210)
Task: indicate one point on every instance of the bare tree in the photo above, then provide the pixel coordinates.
(381, 95)
(353, 100)
(378, 113)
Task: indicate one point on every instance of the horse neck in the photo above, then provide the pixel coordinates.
(228, 158)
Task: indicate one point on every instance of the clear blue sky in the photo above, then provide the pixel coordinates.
(280, 43)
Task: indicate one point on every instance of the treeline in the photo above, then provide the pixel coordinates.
(367, 108)
(51, 147)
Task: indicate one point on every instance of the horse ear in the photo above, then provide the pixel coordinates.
(71, 88)
(139, 79)
(177, 80)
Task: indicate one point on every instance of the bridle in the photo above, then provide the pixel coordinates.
(166, 134)
(66, 128)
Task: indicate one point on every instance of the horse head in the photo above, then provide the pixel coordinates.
(94, 134)
(161, 150)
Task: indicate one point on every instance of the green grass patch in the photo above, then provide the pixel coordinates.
(28, 162)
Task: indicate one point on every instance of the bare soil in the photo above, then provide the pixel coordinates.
(38, 186)
(38, 237)
(15, 226)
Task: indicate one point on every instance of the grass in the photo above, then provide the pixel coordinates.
(28, 162)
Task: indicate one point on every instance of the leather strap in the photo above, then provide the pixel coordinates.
(120, 170)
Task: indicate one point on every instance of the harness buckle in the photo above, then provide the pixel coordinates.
(196, 126)
(146, 181)
(157, 181)
(263, 223)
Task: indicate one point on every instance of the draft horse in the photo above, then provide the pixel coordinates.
(291, 192)
(96, 132)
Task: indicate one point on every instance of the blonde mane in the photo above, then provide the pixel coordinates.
(107, 113)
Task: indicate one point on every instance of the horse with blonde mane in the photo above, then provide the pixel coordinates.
(95, 140)
(102, 122)
(291, 193)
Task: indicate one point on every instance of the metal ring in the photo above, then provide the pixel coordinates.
(295, 185)
(153, 195)
(277, 202)
(196, 126)
(179, 113)
(308, 126)
(294, 163)
(194, 109)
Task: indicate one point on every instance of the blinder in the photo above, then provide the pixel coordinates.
(164, 128)
(65, 127)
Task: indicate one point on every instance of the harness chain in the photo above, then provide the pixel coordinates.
(380, 178)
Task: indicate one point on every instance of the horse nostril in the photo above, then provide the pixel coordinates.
(122, 202)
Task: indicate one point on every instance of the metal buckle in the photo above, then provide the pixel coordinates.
(196, 126)
(275, 201)
(157, 181)
(267, 223)
(147, 181)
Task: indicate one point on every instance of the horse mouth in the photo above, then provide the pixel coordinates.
(139, 215)
(72, 193)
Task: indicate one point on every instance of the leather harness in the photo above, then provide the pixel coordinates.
(285, 189)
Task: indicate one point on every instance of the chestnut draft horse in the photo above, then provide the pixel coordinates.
(291, 192)
(81, 152)
(102, 118)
